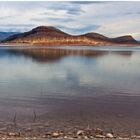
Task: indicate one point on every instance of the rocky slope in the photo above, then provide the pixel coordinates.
(52, 36)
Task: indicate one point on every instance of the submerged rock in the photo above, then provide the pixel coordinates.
(28, 129)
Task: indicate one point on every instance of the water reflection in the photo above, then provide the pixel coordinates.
(67, 72)
(52, 55)
(55, 54)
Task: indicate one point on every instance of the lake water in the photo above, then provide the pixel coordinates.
(99, 86)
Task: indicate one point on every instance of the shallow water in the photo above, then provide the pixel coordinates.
(72, 84)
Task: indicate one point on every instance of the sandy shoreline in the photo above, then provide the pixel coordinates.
(39, 117)
(55, 45)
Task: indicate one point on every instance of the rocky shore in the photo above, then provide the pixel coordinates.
(38, 131)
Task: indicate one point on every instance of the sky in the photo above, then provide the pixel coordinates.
(76, 17)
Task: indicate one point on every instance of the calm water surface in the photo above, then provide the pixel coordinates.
(99, 82)
(31, 72)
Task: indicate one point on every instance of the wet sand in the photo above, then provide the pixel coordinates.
(36, 116)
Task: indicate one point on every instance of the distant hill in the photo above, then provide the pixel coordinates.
(121, 39)
(47, 35)
(124, 39)
(4, 35)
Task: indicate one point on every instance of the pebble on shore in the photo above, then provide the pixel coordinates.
(55, 134)
(99, 136)
(80, 132)
(109, 135)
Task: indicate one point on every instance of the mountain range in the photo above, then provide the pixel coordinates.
(4, 35)
(48, 35)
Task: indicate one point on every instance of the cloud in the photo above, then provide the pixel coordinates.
(4, 17)
(89, 28)
(68, 7)
(61, 19)
(88, 2)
